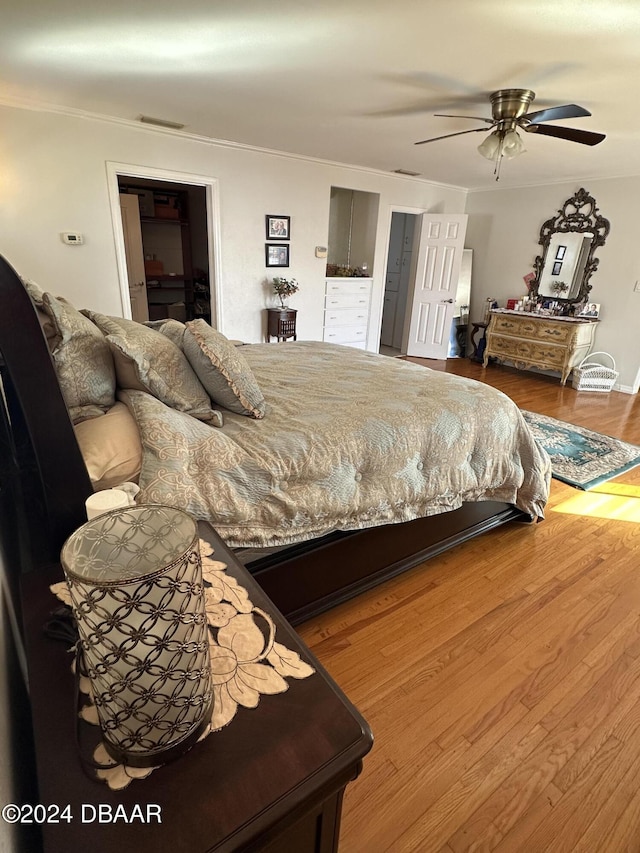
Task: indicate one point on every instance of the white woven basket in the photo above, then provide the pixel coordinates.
(593, 376)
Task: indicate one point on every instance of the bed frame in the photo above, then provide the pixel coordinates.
(43, 469)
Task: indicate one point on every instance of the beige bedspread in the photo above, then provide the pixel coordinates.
(350, 440)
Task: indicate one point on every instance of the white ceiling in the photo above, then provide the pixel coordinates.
(353, 81)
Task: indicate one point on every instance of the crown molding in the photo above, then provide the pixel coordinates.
(73, 112)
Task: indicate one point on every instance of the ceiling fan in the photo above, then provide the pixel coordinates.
(509, 114)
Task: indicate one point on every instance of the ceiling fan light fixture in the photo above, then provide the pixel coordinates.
(512, 145)
(490, 148)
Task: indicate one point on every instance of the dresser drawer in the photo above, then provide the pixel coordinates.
(345, 334)
(560, 333)
(347, 300)
(534, 352)
(348, 285)
(542, 330)
(346, 316)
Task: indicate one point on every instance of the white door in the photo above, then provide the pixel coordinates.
(439, 258)
(130, 210)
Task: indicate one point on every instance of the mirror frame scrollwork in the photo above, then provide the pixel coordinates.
(578, 214)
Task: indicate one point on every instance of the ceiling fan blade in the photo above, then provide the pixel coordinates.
(555, 113)
(475, 118)
(573, 134)
(447, 135)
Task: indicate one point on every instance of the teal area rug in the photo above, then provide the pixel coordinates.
(580, 457)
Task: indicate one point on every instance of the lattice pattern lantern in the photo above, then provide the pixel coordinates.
(135, 580)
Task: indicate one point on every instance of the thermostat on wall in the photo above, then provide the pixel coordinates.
(72, 238)
(321, 251)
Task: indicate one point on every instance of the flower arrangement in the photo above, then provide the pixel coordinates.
(559, 287)
(284, 287)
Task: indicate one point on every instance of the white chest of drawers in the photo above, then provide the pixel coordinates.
(534, 340)
(347, 309)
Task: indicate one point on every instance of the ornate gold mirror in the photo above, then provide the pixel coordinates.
(569, 240)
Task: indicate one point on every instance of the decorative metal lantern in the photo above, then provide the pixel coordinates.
(135, 580)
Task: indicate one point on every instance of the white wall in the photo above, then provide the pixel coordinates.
(53, 178)
(503, 231)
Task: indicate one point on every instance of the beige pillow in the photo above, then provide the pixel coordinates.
(111, 447)
(222, 369)
(146, 360)
(82, 358)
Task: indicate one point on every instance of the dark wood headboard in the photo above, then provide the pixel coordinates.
(41, 461)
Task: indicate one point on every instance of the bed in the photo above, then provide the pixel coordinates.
(327, 468)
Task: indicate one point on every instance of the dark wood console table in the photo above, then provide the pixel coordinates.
(477, 351)
(272, 780)
(281, 323)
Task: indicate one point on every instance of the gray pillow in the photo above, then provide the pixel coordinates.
(172, 329)
(146, 360)
(222, 369)
(82, 358)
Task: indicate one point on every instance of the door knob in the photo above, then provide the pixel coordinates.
(450, 301)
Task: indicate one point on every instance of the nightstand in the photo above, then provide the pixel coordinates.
(281, 323)
(272, 780)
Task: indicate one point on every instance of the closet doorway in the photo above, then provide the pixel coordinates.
(399, 273)
(164, 231)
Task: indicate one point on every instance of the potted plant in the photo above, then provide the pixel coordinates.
(284, 287)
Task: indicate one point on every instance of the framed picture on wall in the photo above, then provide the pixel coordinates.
(278, 227)
(276, 255)
(560, 253)
(557, 266)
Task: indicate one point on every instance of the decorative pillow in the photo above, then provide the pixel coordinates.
(146, 360)
(223, 370)
(83, 360)
(34, 290)
(172, 329)
(111, 447)
(48, 327)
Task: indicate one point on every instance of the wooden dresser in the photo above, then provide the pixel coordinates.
(536, 340)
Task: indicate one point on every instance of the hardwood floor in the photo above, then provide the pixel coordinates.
(502, 679)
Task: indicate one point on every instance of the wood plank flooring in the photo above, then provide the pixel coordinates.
(502, 679)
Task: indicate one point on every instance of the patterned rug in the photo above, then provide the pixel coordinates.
(580, 457)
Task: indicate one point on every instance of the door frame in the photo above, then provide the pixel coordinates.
(212, 192)
(418, 211)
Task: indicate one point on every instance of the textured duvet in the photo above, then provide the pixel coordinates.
(349, 440)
